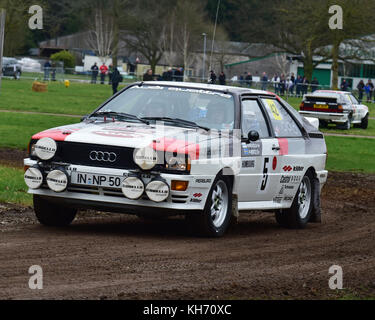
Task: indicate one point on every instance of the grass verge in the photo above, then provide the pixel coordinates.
(12, 187)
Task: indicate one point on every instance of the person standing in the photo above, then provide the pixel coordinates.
(116, 79)
(361, 89)
(314, 85)
(249, 80)
(110, 72)
(148, 76)
(222, 79)
(213, 77)
(264, 81)
(47, 70)
(103, 73)
(293, 82)
(305, 85)
(94, 73)
(344, 85)
(371, 89)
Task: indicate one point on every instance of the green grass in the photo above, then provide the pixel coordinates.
(12, 187)
(370, 131)
(17, 129)
(351, 154)
(78, 99)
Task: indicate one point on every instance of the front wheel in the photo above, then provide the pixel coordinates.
(364, 122)
(214, 220)
(51, 214)
(298, 216)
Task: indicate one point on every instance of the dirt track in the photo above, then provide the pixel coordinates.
(121, 257)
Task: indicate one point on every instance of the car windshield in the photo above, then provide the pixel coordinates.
(209, 109)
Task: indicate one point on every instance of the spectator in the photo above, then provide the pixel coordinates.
(276, 83)
(115, 79)
(282, 84)
(213, 77)
(168, 75)
(344, 85)
(47, 70)
(249, 80)
(148, 76)
(361, 89)
(314, 85)
(288, 85)
(222, 78)
(103, 73)
(110, 72)
(305, 85)
(299, 86)
(264, 81)
(371, 85)
(94, 73)
(293, 81)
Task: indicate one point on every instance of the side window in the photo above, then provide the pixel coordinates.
(253, 119)
(282, 122)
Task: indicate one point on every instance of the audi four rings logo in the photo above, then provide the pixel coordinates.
(103, 156)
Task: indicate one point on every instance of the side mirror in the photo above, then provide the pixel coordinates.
(253, 136)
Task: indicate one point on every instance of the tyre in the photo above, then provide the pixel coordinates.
(17, 75)
(364, 123)
(298, 216)
(215, 219)
(53, 215)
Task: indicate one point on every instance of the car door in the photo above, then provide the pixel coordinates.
(258, 174)
(292, 154)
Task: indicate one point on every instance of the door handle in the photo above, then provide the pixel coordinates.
(276, 148)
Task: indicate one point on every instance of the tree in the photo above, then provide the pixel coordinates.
(146, 27)
(66, 57)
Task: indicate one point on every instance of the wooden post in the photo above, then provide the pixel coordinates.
(2, 31)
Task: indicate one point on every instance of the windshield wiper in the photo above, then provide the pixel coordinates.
(118, 115)
(178, 121)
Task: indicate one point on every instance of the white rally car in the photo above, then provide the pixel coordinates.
(339, 107)
(204, 151)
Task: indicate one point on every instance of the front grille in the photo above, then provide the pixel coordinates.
(79, 154)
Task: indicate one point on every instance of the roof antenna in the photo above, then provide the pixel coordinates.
(213, 39)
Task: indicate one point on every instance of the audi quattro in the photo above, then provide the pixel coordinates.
(339, 107)
(204, 151)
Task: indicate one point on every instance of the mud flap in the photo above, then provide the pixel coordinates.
(316, 216)
(235, 212)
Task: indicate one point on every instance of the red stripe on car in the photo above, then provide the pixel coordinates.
(284, 146)
(177, 146)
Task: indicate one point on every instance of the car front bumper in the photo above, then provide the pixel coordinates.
(85, 196)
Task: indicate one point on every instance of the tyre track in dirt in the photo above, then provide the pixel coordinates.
(121, 257)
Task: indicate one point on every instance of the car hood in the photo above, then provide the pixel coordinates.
(131, 135)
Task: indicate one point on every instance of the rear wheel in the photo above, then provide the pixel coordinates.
(323, 124)
(364, 123)
(298, 216)
(51, 214)
(214, 220)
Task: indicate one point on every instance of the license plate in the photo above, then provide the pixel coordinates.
(320, 106)
(97, 180)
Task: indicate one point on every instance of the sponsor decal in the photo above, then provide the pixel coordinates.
(203, 181)
(288, 187)
(196, 200)
(298, 169)
(197, 195)
(288, 198)
(277, 199)
(290, 179)
(282, 190)
(255, 148)
(287, 168)
(275, 111)
(245, 150)
(248, 164)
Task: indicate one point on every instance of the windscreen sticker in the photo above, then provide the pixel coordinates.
(275, 111)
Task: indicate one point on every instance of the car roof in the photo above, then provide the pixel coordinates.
(332, 91)
(204, 86)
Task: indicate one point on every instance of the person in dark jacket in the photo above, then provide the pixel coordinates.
(94, 73)
(361, 89)
(249, 80)
(299, 86)
(213, 77)
(116, 79)
(222, 78)
(344, 85)
(148, 76)
(314, 84)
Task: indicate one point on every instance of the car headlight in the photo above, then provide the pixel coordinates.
(58, 180)
(158, 190)
(146, 158)
(45, 149)
(179, 162)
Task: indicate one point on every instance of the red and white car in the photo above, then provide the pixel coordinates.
(339, 107)
(204, 151)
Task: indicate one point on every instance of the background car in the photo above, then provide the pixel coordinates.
(339, 107)
(11, 68)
